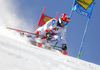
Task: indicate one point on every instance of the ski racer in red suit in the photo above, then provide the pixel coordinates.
(52, 28)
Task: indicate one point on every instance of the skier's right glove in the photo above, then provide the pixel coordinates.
(64, 47)
(49, 36)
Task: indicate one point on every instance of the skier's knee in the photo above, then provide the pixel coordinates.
(57, 38)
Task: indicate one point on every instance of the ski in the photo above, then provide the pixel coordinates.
(49, 47)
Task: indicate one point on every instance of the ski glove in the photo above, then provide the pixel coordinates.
(64, 47)
(49, 36)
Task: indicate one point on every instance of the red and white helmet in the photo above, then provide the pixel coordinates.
(64, 19)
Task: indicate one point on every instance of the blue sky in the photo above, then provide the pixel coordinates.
(30, 10)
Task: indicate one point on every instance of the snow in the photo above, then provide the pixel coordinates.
(16, 53)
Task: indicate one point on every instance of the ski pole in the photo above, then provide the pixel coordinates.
(55, 44)
(26, 32)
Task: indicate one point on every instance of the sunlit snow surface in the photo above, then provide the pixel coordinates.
(18, 54)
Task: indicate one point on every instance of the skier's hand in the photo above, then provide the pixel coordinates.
(64, 47)
(49, 37)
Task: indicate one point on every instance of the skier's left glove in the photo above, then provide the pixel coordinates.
(64, 47)
(49, 36)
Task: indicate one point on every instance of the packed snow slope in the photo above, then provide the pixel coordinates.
(16, 53)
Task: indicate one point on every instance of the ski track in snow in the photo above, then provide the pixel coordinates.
(16, 54)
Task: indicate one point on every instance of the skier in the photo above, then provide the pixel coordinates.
(52, 28)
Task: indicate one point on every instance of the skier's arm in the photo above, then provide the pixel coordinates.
(48, 24)
(63, 36)
(63, 39)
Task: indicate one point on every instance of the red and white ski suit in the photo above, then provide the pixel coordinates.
(52, 27)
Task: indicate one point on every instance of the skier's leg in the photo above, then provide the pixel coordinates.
(55, 39)
(40, 31)
(36, 35)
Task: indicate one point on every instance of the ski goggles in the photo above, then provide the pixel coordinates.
(64, 22)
